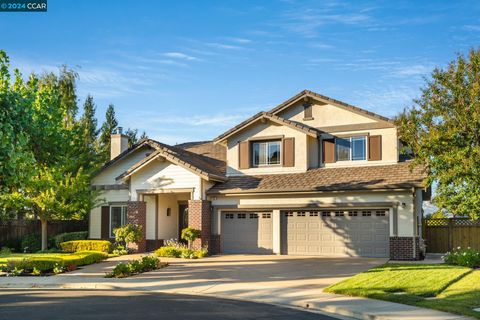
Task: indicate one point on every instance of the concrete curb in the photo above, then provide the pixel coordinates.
(338, 306)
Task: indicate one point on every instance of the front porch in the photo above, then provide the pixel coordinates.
(163, 214)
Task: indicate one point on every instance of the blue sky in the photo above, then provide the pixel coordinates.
(189, 70)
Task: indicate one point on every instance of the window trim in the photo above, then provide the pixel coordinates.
(350, 138)
(123, 217)
(252, 154)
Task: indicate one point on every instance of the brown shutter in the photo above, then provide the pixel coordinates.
(289, 152)
(374, 148)
(328, 146)
(105, 233)
(243, 155)
(307, 114)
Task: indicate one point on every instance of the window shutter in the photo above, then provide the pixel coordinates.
(307, 111)
(105, 233)
(289, 152)
(374, 148)
(243, 155)
(328, 146)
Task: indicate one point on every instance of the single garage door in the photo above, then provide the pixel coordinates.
(246, 232)
(336, 233)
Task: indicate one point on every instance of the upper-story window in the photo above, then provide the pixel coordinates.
(266, 153)
(353, 148)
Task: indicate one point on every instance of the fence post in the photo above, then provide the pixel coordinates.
(450, 234)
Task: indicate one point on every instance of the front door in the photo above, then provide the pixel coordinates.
(182, 218)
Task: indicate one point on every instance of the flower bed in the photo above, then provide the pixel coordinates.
(175, 249)
(145, 264)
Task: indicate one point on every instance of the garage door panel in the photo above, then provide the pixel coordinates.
(246, 232)
(336, 233)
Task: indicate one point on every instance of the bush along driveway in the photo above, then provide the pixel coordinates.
(443, 287)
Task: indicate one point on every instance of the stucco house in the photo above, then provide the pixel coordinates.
(312, 176)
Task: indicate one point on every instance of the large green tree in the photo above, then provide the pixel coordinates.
(442, 129)
(88, 135)
(108, 128)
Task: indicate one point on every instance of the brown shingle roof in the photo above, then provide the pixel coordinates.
(215, 153)
(394, 176)
(267, 115)
(206, 167)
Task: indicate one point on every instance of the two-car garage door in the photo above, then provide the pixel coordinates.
(336, 233)
(328, 232)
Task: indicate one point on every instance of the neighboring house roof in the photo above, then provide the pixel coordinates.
(277, 119)
(394, 176)
(207, 168)
(307, 94)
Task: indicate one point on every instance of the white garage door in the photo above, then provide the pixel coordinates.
(246, 232)
(336, 233)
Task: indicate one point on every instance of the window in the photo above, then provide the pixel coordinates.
(266, 153)
(354, 148)
(289, 214)
(313, 214)
(229, 216)
(118, 217)
(266, 215)
(253, 216)
(241, 216)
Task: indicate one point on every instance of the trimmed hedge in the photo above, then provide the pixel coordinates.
(69, 236)
(179, 252)
(86, 245)
(46, 264)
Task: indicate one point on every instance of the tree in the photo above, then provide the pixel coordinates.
(442, 129)
(88, 134)
(108, 128)
(190, 234)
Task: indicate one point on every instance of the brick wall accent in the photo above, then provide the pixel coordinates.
(137, 214)
(405, 248)
(199, 217)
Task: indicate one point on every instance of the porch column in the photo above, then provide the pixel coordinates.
(137, 214)
(199, 217)
(277, 231)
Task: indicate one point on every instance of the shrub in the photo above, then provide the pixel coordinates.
(181, 252)
(13, 244)
(190, 234)
(170, 252)
(83, 258)
(122, 270)
(463, 257)
(128, 233)
(119, 251)
(69, 236)
(5, 251)
(31, 243)
(86, 245)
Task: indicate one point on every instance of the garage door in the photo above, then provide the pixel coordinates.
(246, 232)
(336, 233)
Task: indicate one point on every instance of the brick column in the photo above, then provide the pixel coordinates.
(137, 214)
(199, 217)
(405, 248)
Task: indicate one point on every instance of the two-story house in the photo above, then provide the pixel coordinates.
(313, 176)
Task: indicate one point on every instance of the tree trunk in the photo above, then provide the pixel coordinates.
(44, 234)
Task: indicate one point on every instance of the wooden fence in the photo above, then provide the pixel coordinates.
(442, 235)
(12, 230)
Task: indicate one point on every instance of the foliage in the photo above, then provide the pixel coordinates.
(181, 252)
(463, 257)
(123, 270)
(170, 252)
(442, 130)
(69, 236)
(119, 251)
(50, 262)
(86, 245)
(31, 243)
(128, 233)
(5, 251)
(108, 128)
(190, 234)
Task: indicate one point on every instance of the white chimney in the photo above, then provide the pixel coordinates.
(118, 143)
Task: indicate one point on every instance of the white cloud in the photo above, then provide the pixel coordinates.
(180, 55)
(240, 40)
(218, 45)
(413, 70)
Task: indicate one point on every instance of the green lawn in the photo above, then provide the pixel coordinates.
(453, 289)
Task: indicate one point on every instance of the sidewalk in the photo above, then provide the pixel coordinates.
(228, 277)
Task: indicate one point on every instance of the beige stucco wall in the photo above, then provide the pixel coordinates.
(108, 176)
(405, 208)
(324, 115)
(164, 175)
(265, 130)
(167, 225)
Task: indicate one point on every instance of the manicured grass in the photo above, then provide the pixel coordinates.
(456, 289)
(77, 258)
